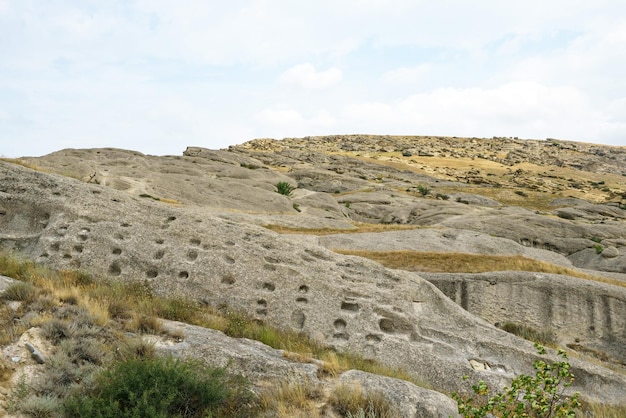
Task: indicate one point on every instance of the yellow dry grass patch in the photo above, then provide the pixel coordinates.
(468, 263)
(359, 228)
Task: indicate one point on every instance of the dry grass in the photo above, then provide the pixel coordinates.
(292, 398)
(353, 401)
(594, 410)
(359, 228)
(134, 307)
(468, 263)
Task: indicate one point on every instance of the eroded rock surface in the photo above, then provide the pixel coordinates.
(190, 226)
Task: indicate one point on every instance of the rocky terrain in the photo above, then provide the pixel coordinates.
(209, 225)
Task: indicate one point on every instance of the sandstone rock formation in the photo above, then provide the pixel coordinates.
(192, 226)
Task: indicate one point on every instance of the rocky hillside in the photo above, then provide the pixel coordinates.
(209, 225)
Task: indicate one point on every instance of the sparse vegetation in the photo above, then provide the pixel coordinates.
(423, 190)
(541, 395)
(528, 333)
(90, 337)
(599, 248)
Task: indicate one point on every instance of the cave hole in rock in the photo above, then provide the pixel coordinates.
(386, 325)
(340, 325)
(78, 248)
(262, 303)
(152, 273)
(171, 218)
(229, 259)
(303, 301)
(303, 289)
(375, 338)
(83, 237)
(125, 225)
(297, 319)
(159, 254)
(269, 286)
(116, 251)
(192, 255)
(183, 275)
(228, 280)
(159, 241)
(195, 241)
(115, 269)
(55, 246)
(67, 256)
(350, 306)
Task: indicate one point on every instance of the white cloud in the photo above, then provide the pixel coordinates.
(306, 76)
(407, 75)
(524, 109)
(288, 122)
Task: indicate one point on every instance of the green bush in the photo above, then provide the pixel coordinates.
(162, 387)
(423, 190)
(284, 188)
(528, 396)
(599, 248)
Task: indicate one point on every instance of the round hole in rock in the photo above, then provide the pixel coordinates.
(115, 269)
(151, 274)
(269, 286)
(228, 280)
(183, 275)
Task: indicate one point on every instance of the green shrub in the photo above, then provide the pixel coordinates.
(528, 396)
(162, 387)
(423, 190)
(284, 188)
(599, 248)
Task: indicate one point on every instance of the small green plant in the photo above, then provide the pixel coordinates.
(541, 395)
(296, 207)
(284, 188)
(442, 196)
(347, 205)
(423, 190)
(599, 248)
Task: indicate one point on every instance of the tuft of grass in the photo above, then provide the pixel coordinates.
(590, 409)
(284, 188)
(20, 291)
(528, 333)
(468, 263)
(292, 398)
(352, 400)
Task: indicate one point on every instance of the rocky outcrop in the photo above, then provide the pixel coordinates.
(580, 313)
(191, 226)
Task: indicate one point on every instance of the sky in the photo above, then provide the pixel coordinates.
(157, 76)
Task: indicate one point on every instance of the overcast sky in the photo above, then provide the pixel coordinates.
(158, 75)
